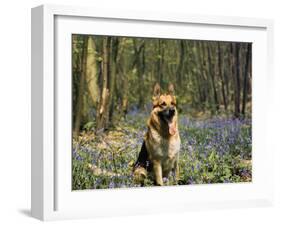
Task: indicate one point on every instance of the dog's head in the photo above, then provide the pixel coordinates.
(164, 106)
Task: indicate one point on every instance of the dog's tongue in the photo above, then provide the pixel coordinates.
(172, 128)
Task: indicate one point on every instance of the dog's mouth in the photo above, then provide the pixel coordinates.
(167, 116)
(172, 128)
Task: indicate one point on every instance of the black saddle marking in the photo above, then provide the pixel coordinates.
(143, 160)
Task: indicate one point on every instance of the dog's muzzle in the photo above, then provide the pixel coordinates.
(172, 112)
(168, 113)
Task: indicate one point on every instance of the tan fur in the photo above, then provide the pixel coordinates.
(162, 147)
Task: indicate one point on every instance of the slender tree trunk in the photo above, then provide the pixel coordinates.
(121, 67)
(92, 72)
(233, 76)
(142, 79)
(211, 72)
(81, 89)
(113, 71)
(197, 73)
(246, 75)
(205, 73)
(202, 72)
(76, 73)
(127, 64)
(221, 73)
(139, 51)
(125, 103)
(208, 85)
(238, 87)
(180, 67)
(227, 72)
(160, 60)
(235, 49)
(102, 114)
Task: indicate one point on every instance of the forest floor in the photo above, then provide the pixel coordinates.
(214, 150)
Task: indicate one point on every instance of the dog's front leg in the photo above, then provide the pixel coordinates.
(176, 171)
(157, 168)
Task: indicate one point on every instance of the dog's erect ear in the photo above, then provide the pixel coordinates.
(171, 89)
(156, 94)
(156, 90)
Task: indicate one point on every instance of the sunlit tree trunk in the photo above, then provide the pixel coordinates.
(91, 75)
(103, 109)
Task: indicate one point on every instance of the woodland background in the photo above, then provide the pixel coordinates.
(113, 75)
(112, 82)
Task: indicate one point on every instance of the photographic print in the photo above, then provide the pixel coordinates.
(158, 112)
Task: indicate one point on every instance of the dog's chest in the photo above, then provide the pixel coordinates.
(164, 148)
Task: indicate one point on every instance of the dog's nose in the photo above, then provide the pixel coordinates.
(171, 111)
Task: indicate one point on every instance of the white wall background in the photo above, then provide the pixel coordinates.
(15, 111)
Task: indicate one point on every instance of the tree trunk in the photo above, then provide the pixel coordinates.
(142, 79)
(202, 72)
(206, 85)
(81, 89)
(139, 51)
(91, 75)
(179, 72)
(236, 77)
(246, 75)
(211, 72)
(113, 71)
(197, 74)
(127, 63)
(160, 60)
(124, 104)
(103, 109)
(227, 72)
(221, 73)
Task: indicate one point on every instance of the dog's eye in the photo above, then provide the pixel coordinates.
(163, 104)
(173, 103)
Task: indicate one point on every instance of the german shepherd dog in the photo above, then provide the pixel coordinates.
(160, 149)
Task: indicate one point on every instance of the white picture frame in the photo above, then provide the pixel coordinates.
(52, 197)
